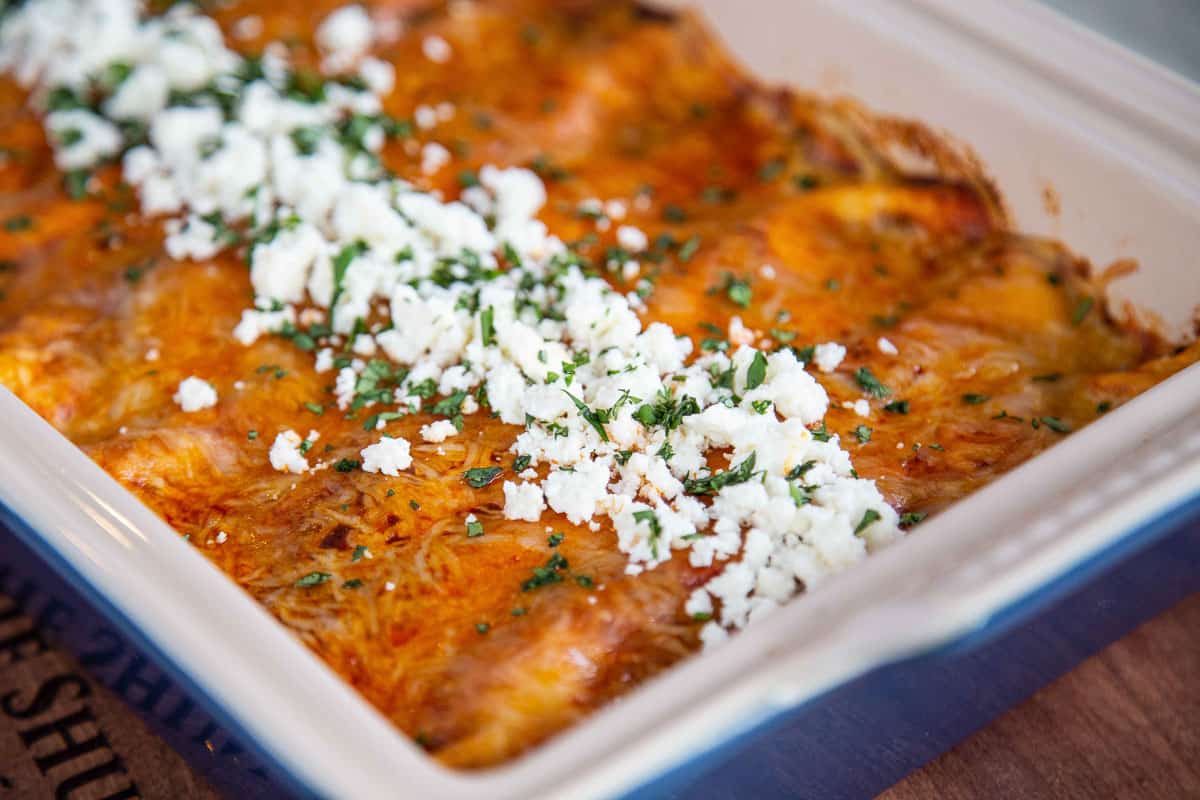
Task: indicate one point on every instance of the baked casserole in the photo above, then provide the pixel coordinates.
(510, 352)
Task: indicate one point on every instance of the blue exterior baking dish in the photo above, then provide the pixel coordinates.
(845, 689)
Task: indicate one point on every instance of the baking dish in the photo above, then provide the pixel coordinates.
(1129, 129)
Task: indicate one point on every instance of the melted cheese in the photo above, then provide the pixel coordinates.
(482, 645)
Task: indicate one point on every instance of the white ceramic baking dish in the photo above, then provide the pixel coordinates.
(1044, 104)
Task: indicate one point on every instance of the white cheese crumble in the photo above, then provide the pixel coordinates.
(249, 27)
(195, 394)
(436, 49)
(632, 239)
(828, 356)
(389, 456)
(438, 431)
(344, 37)
(453, 304)
(523, 501)
(82, 138)
(886, 347)
(286, 453)
(433, 157)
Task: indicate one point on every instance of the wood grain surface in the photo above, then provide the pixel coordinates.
(1123, 724)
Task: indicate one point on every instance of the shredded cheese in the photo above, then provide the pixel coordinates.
(472, 300)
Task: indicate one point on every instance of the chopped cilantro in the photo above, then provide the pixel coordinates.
(675, 214)
(806, 183)
(800, 494)
(373, 421)
(360, 552)
(479, 477)
(870, 517)
(425, 389)
(1081, 310)
(353, 583)
(70, 137)
(870, 384)
(897, 407)
(756, 373)
(975, 399)
(771, 170)
(487, 327)
(862, 433)
(315, 408)
(594, 418)
(521, 463)
(910, 518)
(307, 139)
(313, 579)
(341, 263)
(347, 465)
(667, 410)
(651, 519)
(738, 291)
(798, 471)
(711, 484)
(474, 528)
(1055, 424)
(548, 574)
(451, 406)
(689, 248)
(76, 183)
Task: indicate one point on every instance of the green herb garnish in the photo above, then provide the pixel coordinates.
(313, 579)
(870, 517)
(756, 373)
(479, 477)
(711, 484)
(870, 384)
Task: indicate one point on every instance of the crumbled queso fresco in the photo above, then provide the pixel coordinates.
(195, 394)
(477, 303)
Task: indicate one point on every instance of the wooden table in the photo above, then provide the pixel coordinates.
(1125, 723)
